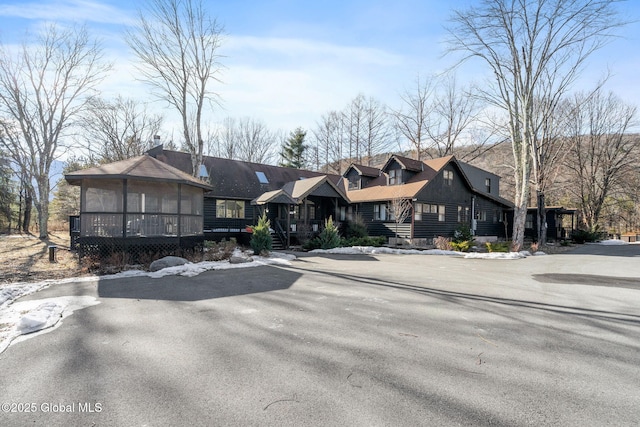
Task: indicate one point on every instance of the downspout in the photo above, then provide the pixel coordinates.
(474, 223)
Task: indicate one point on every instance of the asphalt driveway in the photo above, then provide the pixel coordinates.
(344, 340)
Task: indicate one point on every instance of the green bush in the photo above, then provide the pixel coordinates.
(462, 239)
(583, 236)
(329, 236)
(364, 241)
(498, 246)
(261, 240)
(355, 228)
(462, 246)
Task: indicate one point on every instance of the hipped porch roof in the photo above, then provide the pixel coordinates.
(144, 168)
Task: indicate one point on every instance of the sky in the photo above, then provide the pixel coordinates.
(287, 62)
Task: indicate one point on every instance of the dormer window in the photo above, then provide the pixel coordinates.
(354, 183)
(448, 177)
(487, 184)
(395, 176)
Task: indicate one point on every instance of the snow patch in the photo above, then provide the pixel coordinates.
(355, 250)
(26, 319)
(612, 242)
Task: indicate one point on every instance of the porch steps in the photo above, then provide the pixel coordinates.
(277, 244)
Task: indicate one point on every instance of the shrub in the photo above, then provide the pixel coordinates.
(214, 251)
(582, 236)
(462, 246)
(498, 246)
(355, 228)
(261, 240)
(443, 243)
(329, 236)
(462, 239)
(364, 241)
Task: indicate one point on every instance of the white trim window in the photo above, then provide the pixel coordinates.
(448, 177)
(380, 212)
(441, 213)
(395, 177)
(418, 211)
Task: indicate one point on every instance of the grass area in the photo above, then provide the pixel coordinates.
(25, 258)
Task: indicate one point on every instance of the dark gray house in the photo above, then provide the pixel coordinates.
(444, 194)
(296, 201)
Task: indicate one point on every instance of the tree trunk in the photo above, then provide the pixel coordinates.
(28, 202)
(542, 220)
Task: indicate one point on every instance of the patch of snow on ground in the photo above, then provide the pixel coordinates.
(21, 320)
(355, 250)
(612, 242)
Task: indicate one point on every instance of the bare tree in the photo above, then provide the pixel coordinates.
(535, 50)
(119, 129)
(177, 43)
(377, 136)
(412, 117)
(451, 113)
(400, 209)
(601, 152)
(329, 136)
(256, 143)
(43, 89)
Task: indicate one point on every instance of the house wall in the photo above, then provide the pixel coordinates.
(212, 222)
(451, 196)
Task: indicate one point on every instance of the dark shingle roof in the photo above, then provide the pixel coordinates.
(142, 167)
(235, 179)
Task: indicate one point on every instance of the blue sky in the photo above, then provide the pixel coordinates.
(288, 62)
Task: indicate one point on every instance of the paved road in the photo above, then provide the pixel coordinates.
(345, 340)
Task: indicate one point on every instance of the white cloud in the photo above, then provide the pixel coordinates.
(66, 11)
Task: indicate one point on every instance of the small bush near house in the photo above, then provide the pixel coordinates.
(329, 236)
(498, 246)
(463, 246)
(583, 236)
(442, 243)
(355, 228)
(261, 240)
(462, 239)
(218, 251)
(364, 241)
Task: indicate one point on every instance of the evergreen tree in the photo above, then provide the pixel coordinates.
(293, 150)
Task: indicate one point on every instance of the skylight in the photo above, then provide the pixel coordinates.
(262, 177)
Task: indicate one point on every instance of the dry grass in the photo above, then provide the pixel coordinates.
(25, 258)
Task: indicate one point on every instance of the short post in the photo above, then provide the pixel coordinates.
(52, 253)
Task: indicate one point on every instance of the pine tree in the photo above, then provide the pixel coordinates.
(293, 150)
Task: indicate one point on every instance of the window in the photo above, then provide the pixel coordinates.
(496, 215)
(395, 176)
(343, 213)
(380, 212)
(262, 177)
(463, 214)
(529, 221)
(230, 208)
(482, 216)
(418, 211)
(440, 213)
(448, 177)
(487, 183)
(354, 183)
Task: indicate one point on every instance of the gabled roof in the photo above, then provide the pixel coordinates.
(378, 190)
(364, 170)
(405, 162)
(144, 168)
(294, 192)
